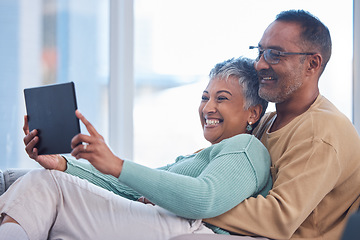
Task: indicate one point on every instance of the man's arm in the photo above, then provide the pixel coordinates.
(306, 174)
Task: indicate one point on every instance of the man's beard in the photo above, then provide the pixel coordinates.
(280, 95)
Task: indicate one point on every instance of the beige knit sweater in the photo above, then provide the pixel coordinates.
(316, 174)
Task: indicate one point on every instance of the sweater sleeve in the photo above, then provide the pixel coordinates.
(86, 171)
(229, 178)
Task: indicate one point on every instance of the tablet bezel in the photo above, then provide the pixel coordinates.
(51, 110)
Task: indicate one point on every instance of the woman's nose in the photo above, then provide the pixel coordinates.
(210, 107)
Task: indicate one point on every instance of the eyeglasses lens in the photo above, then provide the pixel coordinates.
(271, 56)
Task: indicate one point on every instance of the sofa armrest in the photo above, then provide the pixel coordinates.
(9, 176)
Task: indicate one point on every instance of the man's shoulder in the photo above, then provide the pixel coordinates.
(264, 124)
(325, 115)
(322, 122)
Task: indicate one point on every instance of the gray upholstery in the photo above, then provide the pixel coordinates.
(9, 176)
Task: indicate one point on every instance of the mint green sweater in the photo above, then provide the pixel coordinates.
(202, 185)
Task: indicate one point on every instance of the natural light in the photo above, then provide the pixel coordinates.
(176, 43)
(187, 38)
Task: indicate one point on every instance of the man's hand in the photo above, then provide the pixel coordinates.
(55, 162)
(145, 200)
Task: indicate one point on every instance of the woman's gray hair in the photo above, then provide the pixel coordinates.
(242, 69)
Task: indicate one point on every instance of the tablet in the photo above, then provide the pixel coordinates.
(51, 110)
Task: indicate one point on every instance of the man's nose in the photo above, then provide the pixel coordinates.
(261, 64)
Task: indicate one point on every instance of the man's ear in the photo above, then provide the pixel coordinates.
(314, 64)
(255, 113)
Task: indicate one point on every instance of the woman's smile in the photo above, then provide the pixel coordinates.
(221, 110)
(212, 122)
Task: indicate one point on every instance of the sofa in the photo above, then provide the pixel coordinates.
(351, 232)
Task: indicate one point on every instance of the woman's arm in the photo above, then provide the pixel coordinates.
(226, 174)
(235, 170)
(86, 171)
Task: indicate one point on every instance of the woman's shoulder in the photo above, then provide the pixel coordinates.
(239, 143)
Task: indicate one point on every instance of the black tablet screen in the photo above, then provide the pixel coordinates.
(51, 110)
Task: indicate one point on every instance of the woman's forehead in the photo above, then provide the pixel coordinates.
(230, 83)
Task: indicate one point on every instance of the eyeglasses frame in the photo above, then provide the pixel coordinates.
(280, 53)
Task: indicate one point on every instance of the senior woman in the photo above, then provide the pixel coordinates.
(51, 204)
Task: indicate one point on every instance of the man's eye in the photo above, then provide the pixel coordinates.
(274, 53)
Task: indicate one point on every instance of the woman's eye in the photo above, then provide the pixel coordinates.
(204, 98)
(222, 98)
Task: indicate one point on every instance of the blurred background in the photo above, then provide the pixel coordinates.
(140, 66)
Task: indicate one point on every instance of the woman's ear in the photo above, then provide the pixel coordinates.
(255, 113)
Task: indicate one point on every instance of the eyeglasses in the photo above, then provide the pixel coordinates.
(272, 56)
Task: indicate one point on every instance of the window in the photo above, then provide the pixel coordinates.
(45, 42)
(176, 43)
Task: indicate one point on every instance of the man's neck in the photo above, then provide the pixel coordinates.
(288, 110)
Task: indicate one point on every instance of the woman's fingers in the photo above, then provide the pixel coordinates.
(26, 125)
(94, 149)
(30, 136)
(82, 143)
(81, 138)
(76, 152)
(84, 151)
(30, 146)
(87, 124)
(30, 139)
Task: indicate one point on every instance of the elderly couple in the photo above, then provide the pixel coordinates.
(289, 174)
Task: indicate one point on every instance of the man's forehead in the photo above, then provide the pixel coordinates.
(281, 36)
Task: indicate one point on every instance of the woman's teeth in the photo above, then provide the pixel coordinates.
(212, 122)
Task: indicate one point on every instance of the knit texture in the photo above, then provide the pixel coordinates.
(316, 172)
